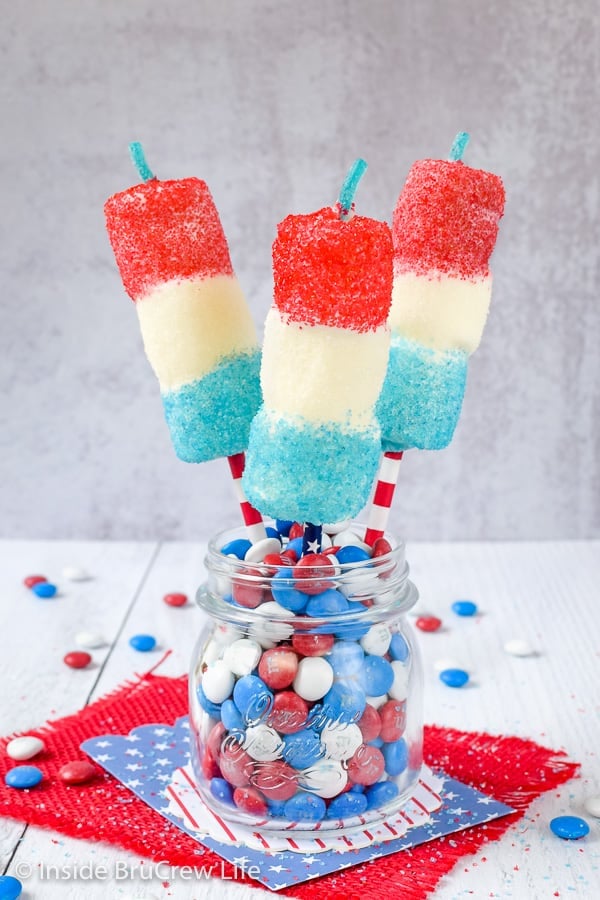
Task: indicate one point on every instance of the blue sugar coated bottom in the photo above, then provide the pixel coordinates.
(569, 828)
(306, 472)
(422, 396)
(210, 417)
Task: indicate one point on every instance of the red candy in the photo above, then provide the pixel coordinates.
(380, 548)
(291, 555)
(34, 579)
(313, 644)
(77, 659)
(276, 561)
(249, 593)
(235, 764)
(162, 230)
(77, 772)
(276, 780)
(393, 720)
(319, 256)
(428, 623)
(215, 739)
(296, 531)
(250, 801)
(175, 599)
(278, 667)
(288, 713)
(369, 724)
(366, 766)
(309, 569)
(446, 219)
(210, 767)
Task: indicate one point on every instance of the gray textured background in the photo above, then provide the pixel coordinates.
(269, 102)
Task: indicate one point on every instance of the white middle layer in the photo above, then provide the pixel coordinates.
(323, 373)
(189, 326)
(440, 311)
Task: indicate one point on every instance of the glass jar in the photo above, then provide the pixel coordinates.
(306, 691)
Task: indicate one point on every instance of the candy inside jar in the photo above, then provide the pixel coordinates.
(305, 690)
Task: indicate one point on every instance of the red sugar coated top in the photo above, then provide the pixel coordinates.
(446, 219)
(161, 230)
(331, 272)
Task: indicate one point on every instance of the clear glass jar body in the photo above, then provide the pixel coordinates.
(297, 718)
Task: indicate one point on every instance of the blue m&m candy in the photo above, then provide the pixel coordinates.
(10, 888)
(284, 592)
(569, 828)
(346, 659)
(238, 548)
(399, 648)
(302, 749)
(283, 526)
(23, 777)
(343, 703)
(143, 642)
(231, 717)
(221, 789)
(329, 603)
(378, 676)
(213, 709)
(305, 808)
(464, 607)
(351, 554)
(381, 793)
(395, 756)
(455, 678)
(44, 589)
(252, 698)
(348, 804)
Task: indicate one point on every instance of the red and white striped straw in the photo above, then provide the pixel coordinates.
(382, 499)
(252, 518)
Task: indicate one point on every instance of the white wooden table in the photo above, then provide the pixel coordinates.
(546, 593)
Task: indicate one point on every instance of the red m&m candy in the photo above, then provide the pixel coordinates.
(288, 713)
(313, 644)
(249, 799)
(235, 764)
(77, 659)
(276, 780)
(175, 599)
(77, 772)
(369, 723)
(278, 667)
(366, 766)
(34, 579)
(428, 623)
(393, 720)
(312, 573)
(296, 531)
(250, 592)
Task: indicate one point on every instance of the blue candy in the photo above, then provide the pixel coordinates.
(399, 649)
(381, 793)
(44, 589)
(346, 659)
(23, 777)
(283, 526)
(351, 554)
(348, 804)
(378, 676)
(329, 603)
(296, 546)
(221, 789)
(272, 532)
(143, 642)
(464, 607)
(569, 828)
(253, 698)
(231, 717)
(276, 807)
(238, 547)
(302, 749)
(10, 888)
(305, 808)
(357, 789)
(376, 742)
(396, 756)
(284, 592)
(455, 678)
(343, 703)
(213, 709)
(351, 632)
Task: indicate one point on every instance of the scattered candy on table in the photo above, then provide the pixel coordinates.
(143, 642)
(519, 647)
(23, 777)
(464, 608)
(592, 806)
(77, 772)
(90, 640)
(74, 573)
(175, 599)
(428, 623)
(77, 659)
(569, 828)
(44, 589)
(32, 580)
(25, 747)
(455, 678)
(10, 888)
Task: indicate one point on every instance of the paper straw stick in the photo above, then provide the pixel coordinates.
(387, 478)
(252, 518)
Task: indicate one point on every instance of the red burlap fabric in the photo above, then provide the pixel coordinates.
(512, 770)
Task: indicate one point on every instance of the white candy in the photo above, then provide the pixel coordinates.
(326, 778)
(399, 688)
(592, 806)
(24, 747)
(350, 539)
(518, 647)
(212, 652)
(336, 527)
(314, 678)
(341, 741)
(260, 549)
(89, 640)
(72, 573)
(242, 656)
(376, 702)
(377, 640)
(227, 634)
(326, 542)
(263, 743)
(217, 682)
(267, 633)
